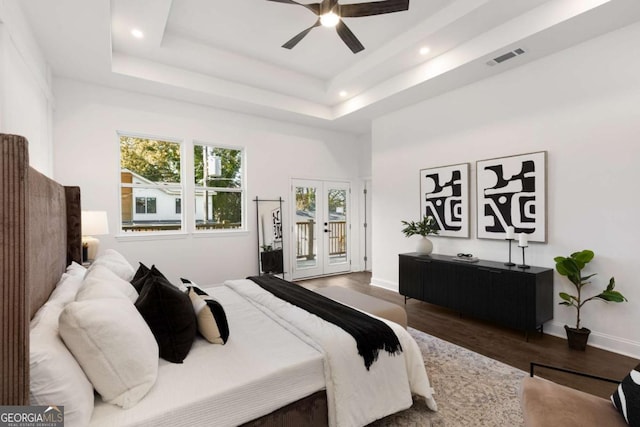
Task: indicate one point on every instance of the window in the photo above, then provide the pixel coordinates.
(219, 187)
(152, 189)
(145, 205)
(150, 179)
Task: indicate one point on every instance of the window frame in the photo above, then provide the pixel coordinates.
(181, 187)
(242, 189)
(188, 189)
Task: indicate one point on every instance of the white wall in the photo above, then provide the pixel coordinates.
(87, 118)
(364, 142)
(582, 106)
(25, 91)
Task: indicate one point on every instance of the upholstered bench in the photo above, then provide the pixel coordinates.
(366, 303)
(545, 403)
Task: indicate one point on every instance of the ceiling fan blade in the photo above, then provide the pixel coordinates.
(314, 7)
(294, 41)
(327, 5)
(349, 38)
(372, 8)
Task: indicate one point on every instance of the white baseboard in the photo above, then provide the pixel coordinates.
(599, 340)
(385, 284)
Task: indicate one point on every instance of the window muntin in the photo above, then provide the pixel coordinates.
(150, 181)
(219, 187)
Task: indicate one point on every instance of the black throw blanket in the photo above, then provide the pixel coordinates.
(371, 334)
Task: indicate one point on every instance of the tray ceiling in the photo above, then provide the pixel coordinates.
(228, 54)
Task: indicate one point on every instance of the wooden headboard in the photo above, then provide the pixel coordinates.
(41, 235)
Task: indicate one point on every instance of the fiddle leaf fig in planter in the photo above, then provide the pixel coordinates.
(572, 267)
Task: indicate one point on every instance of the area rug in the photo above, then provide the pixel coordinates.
(471, 389)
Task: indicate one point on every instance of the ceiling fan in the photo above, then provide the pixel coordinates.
(330, 14)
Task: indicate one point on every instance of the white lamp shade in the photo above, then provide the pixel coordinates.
(94, 223)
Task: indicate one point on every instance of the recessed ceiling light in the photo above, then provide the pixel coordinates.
(329, 19)
(137, 33)
(424, 50)
(343, 93)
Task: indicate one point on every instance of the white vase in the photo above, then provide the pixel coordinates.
(425, 247)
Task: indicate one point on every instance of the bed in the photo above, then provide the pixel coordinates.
(41, 237)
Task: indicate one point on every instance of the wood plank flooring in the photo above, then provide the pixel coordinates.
(503, 344)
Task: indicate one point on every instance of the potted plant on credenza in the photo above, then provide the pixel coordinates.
(572, 267)
(422, 228)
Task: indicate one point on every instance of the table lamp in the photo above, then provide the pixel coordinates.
(94, 223)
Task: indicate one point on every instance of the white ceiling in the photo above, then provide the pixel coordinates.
(227, 54)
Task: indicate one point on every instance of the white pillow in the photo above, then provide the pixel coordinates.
(114, 346)
(115, 262)
(55, 375)
(76, 269)
(100, 282)
(65, 291)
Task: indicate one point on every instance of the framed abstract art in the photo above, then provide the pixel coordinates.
(444, 195)
(511, 191)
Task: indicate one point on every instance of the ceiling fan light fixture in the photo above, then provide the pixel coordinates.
(331, 12)
(329, 19)
(137, 33)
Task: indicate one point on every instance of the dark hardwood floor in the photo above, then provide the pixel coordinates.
(506, 345)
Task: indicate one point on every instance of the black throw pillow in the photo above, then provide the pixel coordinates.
(170, 316)
(140, 277)
(626, 398)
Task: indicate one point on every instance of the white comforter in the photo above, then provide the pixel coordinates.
(355, 396)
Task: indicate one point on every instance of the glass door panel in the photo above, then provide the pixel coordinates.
(306, 229)
(321, 231)
(336, 258)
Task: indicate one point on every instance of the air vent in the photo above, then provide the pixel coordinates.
(505, 57)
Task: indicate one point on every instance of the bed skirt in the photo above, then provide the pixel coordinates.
(310, 411)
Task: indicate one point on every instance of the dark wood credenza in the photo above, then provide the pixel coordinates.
(510, 296)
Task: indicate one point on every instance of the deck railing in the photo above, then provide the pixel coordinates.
(306, 233)
(164, 226)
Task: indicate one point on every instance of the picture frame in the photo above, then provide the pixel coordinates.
(276, 227)
(444, 195)
(512, 191)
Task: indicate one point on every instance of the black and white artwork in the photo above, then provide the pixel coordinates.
(512, 192)
(444, 195)
(276, 228)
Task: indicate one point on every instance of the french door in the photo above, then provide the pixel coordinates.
(321, 227)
